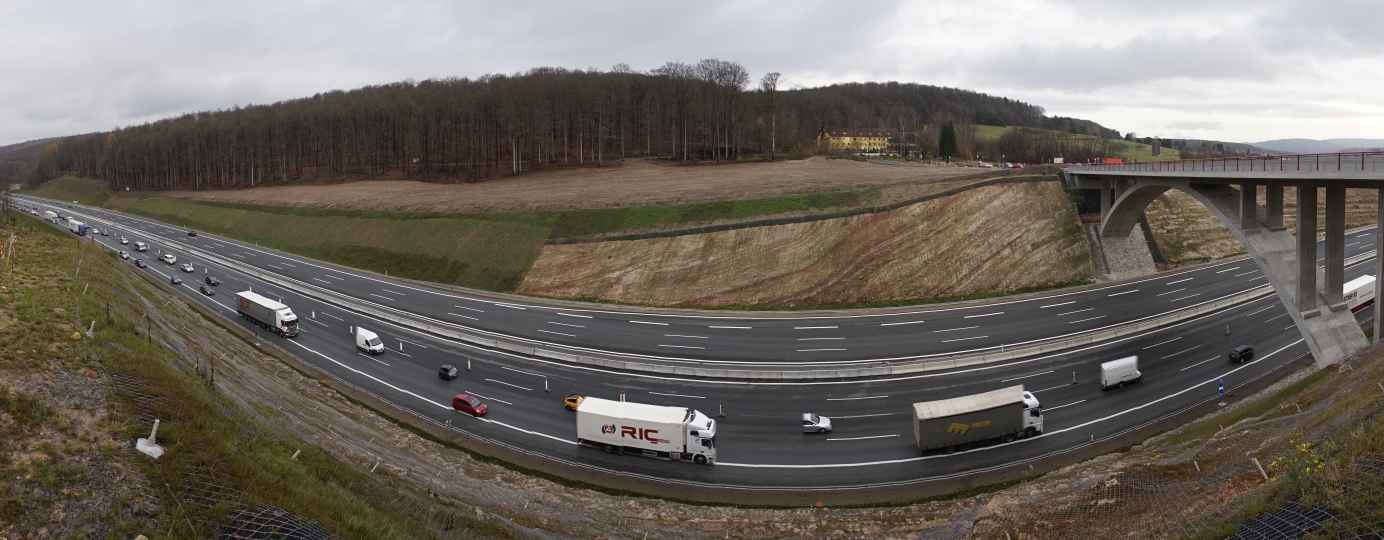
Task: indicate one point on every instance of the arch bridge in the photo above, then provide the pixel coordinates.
(1230, 188)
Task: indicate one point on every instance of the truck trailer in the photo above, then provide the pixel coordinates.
(267, 313)
(1359, 293)
(649, 430)
(996, 416)
(78, 228)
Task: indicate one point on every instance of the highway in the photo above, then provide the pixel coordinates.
(758, 439)
(767, 339)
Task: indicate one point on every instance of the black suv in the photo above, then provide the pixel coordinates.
(209, 280)
(1241, 354)
(447, 372)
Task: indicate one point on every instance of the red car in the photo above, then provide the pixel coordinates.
(468, 403)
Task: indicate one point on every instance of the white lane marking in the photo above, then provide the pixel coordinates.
(401, 353)
(1291, 326)
(677, 395)
(815, 327)
(1199, 363)
(1179, 281)
(324, 325)
(1260, 310)
(1076, 311)
(386, 364)
(983, 315)
(382, 297)
(388, 291)
(573, 315)
(964, 339)
(1028, 376)
(857, 398)
(955, 329)
(648, 322)
(1087, 319)
(685, 336)
(286, 264)
(322, 281)
(469, 308)
(1179, 289)
(566, 324)
(557, 333)
(238, 256)
(510, 306)
(1276, 317)
(462, 316)
(1189, 349)
(682, 347)
(522, 371)
(1050, 409)
(730, 327)
(862, 438)
(488, 397)
(834, 417)
(1131, 291)
(511, 385)
(1244, 273)
(820, 338)
(818, 350)
(1178, 338)
(1228, 270)
(1055, 305)
(1063, 385)
(1053, 433)
(901, 323)
(1252, 280)
(1184, 297)
(419, 345)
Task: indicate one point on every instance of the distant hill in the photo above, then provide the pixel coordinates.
(1315, 146)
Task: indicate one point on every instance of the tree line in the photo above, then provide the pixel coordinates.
(464, 129)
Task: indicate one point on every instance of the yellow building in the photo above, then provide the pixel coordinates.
(855, 141)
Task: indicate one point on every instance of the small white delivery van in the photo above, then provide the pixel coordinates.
(368, 341)
(1117, 373)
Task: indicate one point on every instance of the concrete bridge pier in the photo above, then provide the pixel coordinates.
(1289, 262)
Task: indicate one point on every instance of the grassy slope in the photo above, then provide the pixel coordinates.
(1125, 149)
(200, 429)
(486, 251)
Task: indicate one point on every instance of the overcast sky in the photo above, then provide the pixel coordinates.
(1238, 71)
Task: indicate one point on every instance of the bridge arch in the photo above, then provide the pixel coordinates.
(1331, 333)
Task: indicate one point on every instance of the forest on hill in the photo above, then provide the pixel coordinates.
(462, 129)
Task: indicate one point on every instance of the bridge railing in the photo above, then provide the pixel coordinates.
(1280, 165)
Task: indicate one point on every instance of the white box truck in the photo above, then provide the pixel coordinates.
(267, 313)
(1359, 293)
(141, 246)
(368, 341)
(50, 216)
(1117, 373)
(649, 430)
(996, 416)
(78, 228)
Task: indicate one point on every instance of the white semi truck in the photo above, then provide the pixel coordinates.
(267, 313)
(1359, 292)
(78, 228)
(995, 416)
(650, 430)
(50, 216)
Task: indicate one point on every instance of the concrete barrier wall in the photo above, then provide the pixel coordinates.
(708, 369)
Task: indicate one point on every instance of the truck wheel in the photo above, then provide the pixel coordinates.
(700, 460)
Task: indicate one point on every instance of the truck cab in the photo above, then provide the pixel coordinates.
(1033, 415)
(701, 437)
(141, 246)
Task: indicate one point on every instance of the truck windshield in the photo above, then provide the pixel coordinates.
(373, 342)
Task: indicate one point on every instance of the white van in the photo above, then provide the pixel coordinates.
(368, 341)
(1117, 373)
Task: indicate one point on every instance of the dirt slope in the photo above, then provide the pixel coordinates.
(1188, 233)
(638, 182)
(988, 240)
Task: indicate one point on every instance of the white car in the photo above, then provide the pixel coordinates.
(813, 423)
(124, 241)
(124, 255)
(168, 258)
(187, 267)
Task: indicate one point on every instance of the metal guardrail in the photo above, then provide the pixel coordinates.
(1366, 163)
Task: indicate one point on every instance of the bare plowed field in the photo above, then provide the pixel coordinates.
(637, 183)
(984, 241)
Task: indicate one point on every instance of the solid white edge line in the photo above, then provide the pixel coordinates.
(862, 438)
